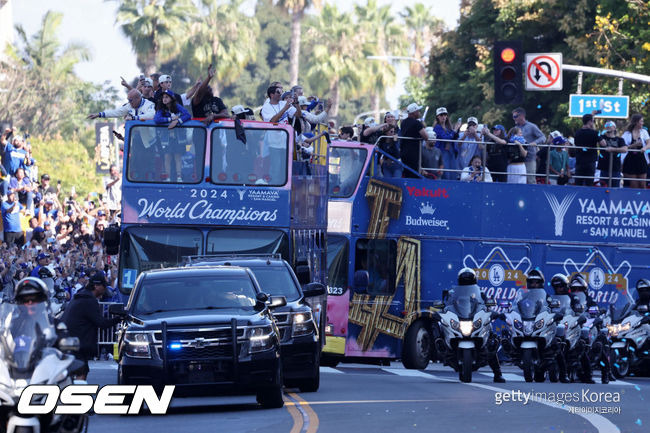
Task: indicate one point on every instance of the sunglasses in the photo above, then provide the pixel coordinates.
(514, 116)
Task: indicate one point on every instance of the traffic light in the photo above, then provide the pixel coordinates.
(508, 83)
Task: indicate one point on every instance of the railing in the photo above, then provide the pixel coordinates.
(106, 337)
(482, 147)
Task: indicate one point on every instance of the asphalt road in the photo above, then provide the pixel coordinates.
(360, 398)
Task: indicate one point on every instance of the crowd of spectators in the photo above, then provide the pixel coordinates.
(43, 227)
(597, 154)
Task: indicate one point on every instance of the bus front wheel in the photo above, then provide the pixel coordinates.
(416, 351)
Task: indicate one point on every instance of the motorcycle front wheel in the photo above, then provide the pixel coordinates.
(527, 364)
(620, 367)
(465, 370)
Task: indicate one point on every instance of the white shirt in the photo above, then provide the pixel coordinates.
(269, 110)
(467, 172)
(627, 138)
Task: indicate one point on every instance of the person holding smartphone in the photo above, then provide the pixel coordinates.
(476, 171)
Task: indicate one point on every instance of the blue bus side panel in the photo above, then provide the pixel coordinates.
(502, 231)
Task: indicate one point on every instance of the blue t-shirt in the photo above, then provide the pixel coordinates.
(11, 221)
(14, 183)
(14, 159)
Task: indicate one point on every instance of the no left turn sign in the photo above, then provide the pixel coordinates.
(544, 71)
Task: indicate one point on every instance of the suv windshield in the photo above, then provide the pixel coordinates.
(157, 295)
(276, 281)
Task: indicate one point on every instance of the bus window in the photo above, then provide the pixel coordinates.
(157, 154)
(345, 166)
(262, 160)
(337, 264)
(378, 257)
(246, 241)
(145, 248)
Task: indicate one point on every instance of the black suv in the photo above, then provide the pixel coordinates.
(299, 331)
(207, 330)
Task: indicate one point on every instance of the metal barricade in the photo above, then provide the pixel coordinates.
(106, 338)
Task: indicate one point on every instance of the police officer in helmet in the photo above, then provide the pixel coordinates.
(30, 291)
(643, 289)
(535, 279)
(467, 277)
(560, 284)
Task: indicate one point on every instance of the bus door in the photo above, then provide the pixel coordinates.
(376, 322)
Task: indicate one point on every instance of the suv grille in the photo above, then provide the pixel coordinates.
(223, 335)
(194, 353)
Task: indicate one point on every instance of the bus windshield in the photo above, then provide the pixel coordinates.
(157, 154)
(262, 160)
(145, 248)
(345, 166)
(242, 241)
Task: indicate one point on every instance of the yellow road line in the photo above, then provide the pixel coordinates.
(312, 403)
(311, 415)
(295, 414)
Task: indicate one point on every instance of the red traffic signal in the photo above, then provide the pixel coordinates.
(508, 55)
(508, 72)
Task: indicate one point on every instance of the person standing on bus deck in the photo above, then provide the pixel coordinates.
(276, 111)
(138, 108)
(113, 187)
(83, 317)
(532, 137)
(410, 147)
(205, 104)
(586, 151)
(168, 111)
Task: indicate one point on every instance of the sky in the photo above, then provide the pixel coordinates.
(92, 22)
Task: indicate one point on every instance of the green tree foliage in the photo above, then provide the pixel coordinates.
(43, 95)
(461, 64)
(68, 161)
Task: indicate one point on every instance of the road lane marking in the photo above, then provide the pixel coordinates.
(509, 377)
(295, 415)
(602, 424)
(313, 403)
(330, 370)
(299, 415)
(312, 423)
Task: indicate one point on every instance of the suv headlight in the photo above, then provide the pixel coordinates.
(302, 324)
(137, 345)
(260, 339)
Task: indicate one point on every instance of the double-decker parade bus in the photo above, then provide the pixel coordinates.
(413, 235)
(221, 189)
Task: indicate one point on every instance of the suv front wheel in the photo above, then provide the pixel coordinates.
(271, 397)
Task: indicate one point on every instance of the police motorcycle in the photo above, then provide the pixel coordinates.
(465, 321)
(629, 329)
(593, 335)
(29, 357)
(568, 332)
(530, 338)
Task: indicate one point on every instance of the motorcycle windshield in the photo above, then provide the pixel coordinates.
(580, 299)
(620, 308)
(565, 304)
(465, 300)
(25, 330)
(531, 302)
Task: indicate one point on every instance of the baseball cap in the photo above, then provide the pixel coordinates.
(431, 133)
(302, 100)
(101, 213)
(239, 109)
(99, 278)
(369, 121)
(610, 124)
(42, 256)
(412, 108)
(45, 176)
(559, 140)
(472, 120)
(164, 78)
(499, 127)
(148, 82)
(441, 110)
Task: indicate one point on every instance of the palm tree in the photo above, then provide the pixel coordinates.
(383, 36)
(154, 27)
(422, 27)
(224, 37)
(39, 77)
(297, 10)
(335, 55)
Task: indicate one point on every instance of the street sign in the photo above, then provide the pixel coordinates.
(612, 107)
(544, 71)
